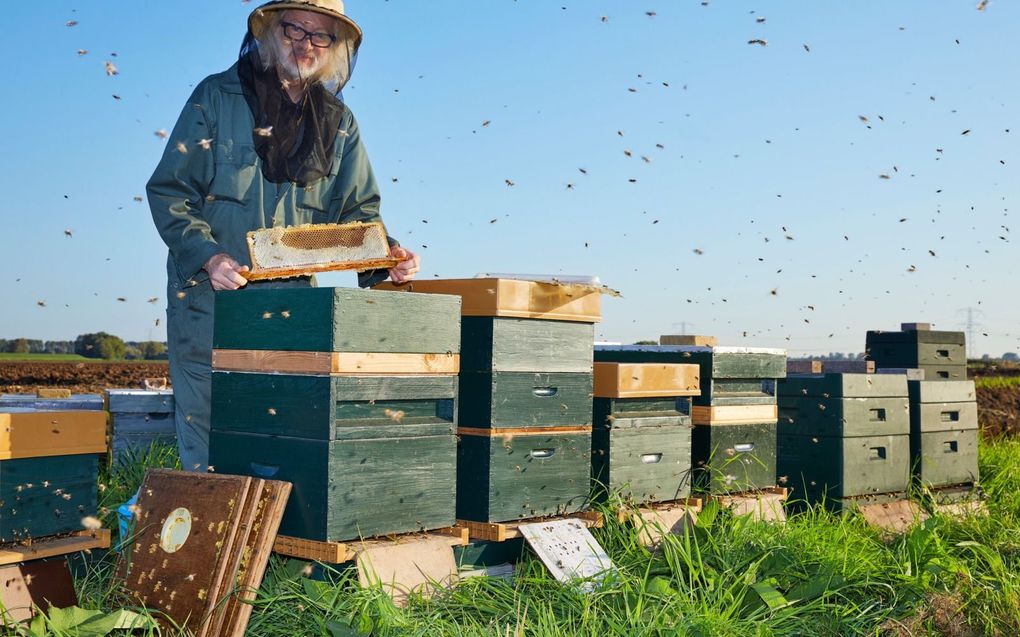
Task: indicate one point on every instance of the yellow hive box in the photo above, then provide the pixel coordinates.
(28, 433)
(645, 380)
(514, 298)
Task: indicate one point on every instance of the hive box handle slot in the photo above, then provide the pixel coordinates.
(877, 453)
(877, 415)
(544, 392)
(950, 446)
(744, 447)
(950, 416)
(542, 453)
(651, 458)
(942, 353)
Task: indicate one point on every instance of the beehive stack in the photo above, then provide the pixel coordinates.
(942, 355)
(525, 407)
(844, 436)
(943, 432)
(139, 418)
(641, 430)
(339, 392)
(49, 470)
(734, 416)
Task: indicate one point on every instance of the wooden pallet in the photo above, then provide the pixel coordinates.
(625, 512)
(653, 520)
(760, 504)
(340, 552)
(53, 546)
(503, 531)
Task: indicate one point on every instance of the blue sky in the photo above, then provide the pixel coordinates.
(754, 139)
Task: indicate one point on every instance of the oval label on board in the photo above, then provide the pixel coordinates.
(176, 530)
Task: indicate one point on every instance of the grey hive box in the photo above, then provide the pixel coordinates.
(943, 432)
(941, 354)
(139, 418)
(843, 436)
(76, 402)
(733, 458)
(369, 451)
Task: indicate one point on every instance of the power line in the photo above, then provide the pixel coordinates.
(971, 327)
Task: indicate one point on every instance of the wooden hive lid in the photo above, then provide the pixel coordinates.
(645, 380)
(34, 433)
(514, 298)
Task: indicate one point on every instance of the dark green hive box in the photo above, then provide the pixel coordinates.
(831, 468)
(641, 449)
(729, 375)
(943, 355)
(399, 480)
(943, 432)
(733, 458)
(525, 399)
(337, 320)
(506, 477)
(323, 407)
(843, 417)
(46, 496)
(492, 344)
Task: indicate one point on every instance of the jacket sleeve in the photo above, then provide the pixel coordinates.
(177, 189)
(356, 192)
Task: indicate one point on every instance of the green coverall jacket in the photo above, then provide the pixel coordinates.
(205, 195)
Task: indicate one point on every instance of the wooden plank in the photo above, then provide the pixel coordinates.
(52, 392)
(915, 327)
(897, 516)
(843, 385)
(688, 339)
(733, 414)
(40, 548)
(645, 380)
(513, 298)
(28, 433)
(941, 391)
(336, 320)
(716, 362)
(340, 552)
(525, 345)
(350, 363)
(254, 558)
(139, 401)
(503, 531)
(764, 504)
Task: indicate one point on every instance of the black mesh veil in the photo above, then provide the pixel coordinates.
(295, 140)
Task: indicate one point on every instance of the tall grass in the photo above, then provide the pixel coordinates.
(997, 382)
(818, 574)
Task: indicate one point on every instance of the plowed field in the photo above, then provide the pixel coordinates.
(79, 377)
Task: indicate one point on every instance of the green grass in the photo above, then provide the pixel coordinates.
(997, 382)
(819, 574)
(8, 356)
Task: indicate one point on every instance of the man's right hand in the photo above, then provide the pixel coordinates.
(224, 272)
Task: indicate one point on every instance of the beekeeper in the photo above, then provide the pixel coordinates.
(268, 142)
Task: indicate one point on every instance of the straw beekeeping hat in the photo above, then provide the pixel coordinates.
(347, 30)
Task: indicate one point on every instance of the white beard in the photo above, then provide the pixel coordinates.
(289, 68)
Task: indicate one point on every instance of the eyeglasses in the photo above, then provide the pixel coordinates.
(297, 34)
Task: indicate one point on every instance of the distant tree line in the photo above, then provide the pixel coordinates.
(97, 345)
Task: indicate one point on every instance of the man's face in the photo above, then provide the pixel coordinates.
(300, 59)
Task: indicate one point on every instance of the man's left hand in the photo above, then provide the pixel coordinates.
(408, 266)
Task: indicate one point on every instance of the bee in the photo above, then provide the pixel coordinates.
(759, 42)
(111, 69)
(161, 133)
(264, 132)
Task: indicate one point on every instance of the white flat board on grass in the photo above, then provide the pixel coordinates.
(569, 551)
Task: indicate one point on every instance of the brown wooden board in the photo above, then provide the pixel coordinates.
(733, 414)
(762, 504)
(40, 548)
(503, 531)
(27, 588)
(185, 526)
(30, 433)
(688, 339)
(513, 298)
(645, 380)
(252, 560)
(346, 363)
(340, 552)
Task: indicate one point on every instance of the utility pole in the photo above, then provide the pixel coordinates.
(683, 326)
(971, 327)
